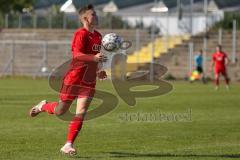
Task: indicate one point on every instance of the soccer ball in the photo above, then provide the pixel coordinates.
(44, 69)
(111, 42)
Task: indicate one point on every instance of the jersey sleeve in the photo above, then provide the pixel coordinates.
(214, 57)
(195, 58)
(79, 43)
(225, 56)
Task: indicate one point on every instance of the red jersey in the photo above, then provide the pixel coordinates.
(219, 59)
(80, 80)
(85, 45)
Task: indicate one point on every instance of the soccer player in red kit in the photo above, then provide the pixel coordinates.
(219, 62)
(82, 73)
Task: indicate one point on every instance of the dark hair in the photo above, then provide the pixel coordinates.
(85, 9)
(219, 46)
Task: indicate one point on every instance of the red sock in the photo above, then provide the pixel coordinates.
(73, 128)
(49, 107)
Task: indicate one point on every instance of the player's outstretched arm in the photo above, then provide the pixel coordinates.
(227, 61)
(84, 57)
(90, 57)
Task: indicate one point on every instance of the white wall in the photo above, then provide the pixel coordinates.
(170, 23)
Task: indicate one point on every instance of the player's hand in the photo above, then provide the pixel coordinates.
(100, 58)
(102, 75)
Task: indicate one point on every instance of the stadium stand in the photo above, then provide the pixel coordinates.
(29, 48)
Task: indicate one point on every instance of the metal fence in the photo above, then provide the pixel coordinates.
(39, 21)
(32, 58)
(38, 58)
(61, 20)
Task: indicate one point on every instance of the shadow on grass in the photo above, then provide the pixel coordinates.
(80, 157)
(156, 155)
(147, 155)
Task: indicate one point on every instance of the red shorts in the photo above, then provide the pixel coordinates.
(74, 87)
(220, 70)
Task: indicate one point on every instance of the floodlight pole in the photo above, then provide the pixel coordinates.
(191, 17)
(12, 58)
(191, 48)
(167, 36)
(138, 44)
(205, 41)
(64, 21)
(220, 36)
(6, 21)
(234, 39)
(34, 21)
(20, 21)
(206, 13)
(162, 8)
(153, 51)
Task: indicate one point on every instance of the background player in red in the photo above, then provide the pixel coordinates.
(82, 73)
(219, 62)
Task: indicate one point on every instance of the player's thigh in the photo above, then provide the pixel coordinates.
(224, 73)
(217, 72)
(82, 105)
(216, 75)
(200, 69)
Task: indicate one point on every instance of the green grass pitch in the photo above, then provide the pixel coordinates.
(207, 127)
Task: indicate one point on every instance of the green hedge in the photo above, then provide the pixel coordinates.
(227, 22)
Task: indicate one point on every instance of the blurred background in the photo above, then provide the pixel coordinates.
(35, 35)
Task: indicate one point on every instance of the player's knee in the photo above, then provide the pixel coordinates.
(59, 112)
(81, 111)
(62, 108)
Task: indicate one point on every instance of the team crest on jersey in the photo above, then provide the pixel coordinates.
(219, 58)
(96, 48)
